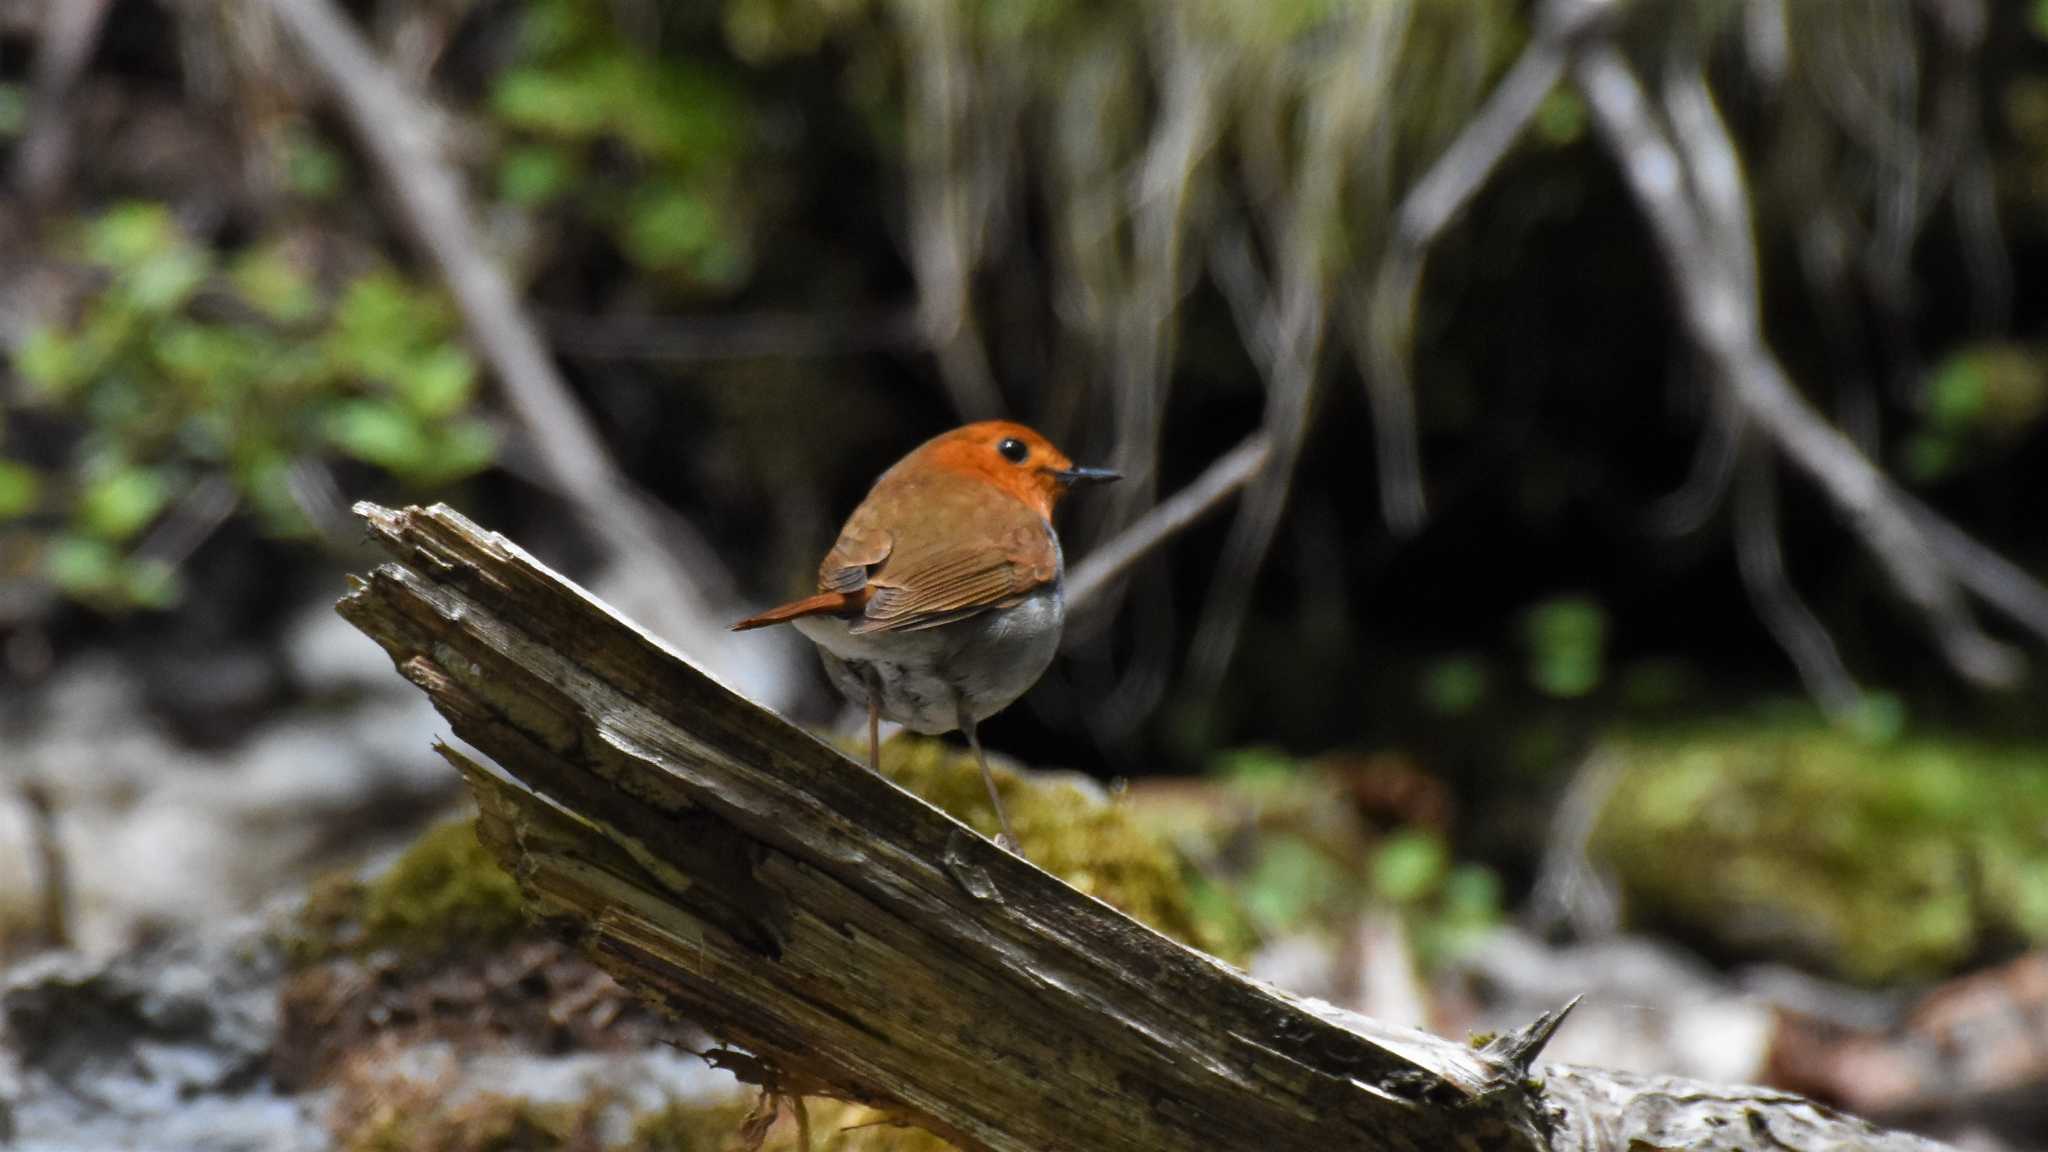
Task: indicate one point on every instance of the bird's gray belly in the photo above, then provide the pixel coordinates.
(985, 661)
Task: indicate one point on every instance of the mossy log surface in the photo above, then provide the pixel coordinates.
(858, 942)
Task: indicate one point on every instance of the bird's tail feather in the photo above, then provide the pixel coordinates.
(823, 604)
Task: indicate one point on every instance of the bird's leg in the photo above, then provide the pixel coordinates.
(873, 680)
(1008, 840)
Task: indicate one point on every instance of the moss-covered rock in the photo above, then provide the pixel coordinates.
(443, 893)
(835, 1126)
(1066, 826)
(1791, 839)
(417, 1123)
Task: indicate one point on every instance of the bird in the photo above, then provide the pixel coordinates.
(943, 599)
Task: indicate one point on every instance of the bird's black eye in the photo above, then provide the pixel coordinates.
(1014, 450)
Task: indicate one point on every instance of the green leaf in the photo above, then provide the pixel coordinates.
(1879, 718)
(378, 432)
(162, 283)
(119, 503)
(264, 477)
(565, 104)
(13, 111)
(273, 284)
(1257, 768)
(127, 234)
(150, 583)
(1561, 117)
(21, 489)
(1409, 866)
(1930, 456)
(534, 175)
(667, 228)
(81, 567)
(312, 168)
(456, 451)
(1454, 685)
(440, 384)
(48, 360)
(383, 324)
(1567, 641)
(1957, 394)
(1471, 893)
(1291, 879)
(547, 27)
(2038, 19)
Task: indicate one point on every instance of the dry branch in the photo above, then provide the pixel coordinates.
(861, 943)
(1165, 520)
(1695, 204)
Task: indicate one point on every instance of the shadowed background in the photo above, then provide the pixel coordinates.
(1646, 402)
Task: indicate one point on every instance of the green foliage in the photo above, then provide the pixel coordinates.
(1566, 639)
(1982, 398)
(1790, 837)
(13, 111)
(444, 894)
(190, 364)
(1454, 685)
(21, 489)
(584, 94)
(1303, 861)
(1065, 828)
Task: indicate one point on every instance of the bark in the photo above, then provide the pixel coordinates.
(857, 942)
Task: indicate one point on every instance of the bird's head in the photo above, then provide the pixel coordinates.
(1012, 457)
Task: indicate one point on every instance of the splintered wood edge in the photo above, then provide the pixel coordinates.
(1505, 1101)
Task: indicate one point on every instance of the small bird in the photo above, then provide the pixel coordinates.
(941, 602)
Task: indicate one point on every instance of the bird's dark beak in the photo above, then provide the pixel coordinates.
(1072, 476)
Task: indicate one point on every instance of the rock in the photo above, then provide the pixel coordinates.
(1648, 1008)
(162, 1048)
(1874, 862)
(160, 836)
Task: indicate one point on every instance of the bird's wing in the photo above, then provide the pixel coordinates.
(863, 544)
(970, 549)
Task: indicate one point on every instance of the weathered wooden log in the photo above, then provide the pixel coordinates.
(859, 942)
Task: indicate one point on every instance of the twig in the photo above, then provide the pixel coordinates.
(1145, 335)
(1722, 319)
(70, 31)
(1300, 203)
(198, 514)
(1385, 326)
(1798, 631)
(393, 130)
(1686, 509)
(1167, 519)
(1570, 890)
(944, 225)
(52, 867)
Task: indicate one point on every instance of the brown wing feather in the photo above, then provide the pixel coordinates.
(972, 548)
(862, 544)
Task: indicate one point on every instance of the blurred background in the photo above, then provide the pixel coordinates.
(1603, 448)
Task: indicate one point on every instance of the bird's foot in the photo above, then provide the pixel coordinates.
(1004, 842)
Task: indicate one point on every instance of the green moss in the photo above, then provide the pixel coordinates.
(1065, 827)
(1791, 838)
(836, 1126)
(446, 889)
(684, 1127)
(329, 923)
(444, 893)
(411, 1118)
